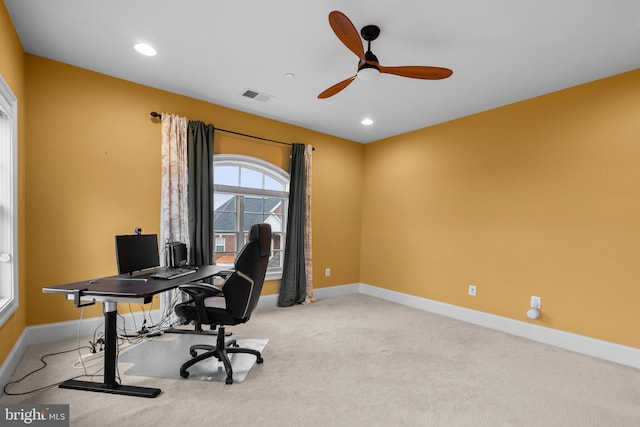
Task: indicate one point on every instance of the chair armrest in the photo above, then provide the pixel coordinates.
(224, 273)
(200, 289)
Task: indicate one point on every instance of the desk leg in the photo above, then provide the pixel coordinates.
(109, 384)
(110, 342)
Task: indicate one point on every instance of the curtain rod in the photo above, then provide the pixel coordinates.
(159, 116)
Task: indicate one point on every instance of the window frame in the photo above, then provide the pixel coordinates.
(9, 289)
(265, 168)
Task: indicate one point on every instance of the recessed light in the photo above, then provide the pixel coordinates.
(145, 49)
(367, 122)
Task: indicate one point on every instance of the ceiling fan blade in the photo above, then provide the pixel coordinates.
(336, 88)
(347, 33)
(418, 72)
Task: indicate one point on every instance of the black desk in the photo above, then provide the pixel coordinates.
(110, 291)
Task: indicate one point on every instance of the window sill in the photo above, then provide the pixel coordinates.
(273, 276)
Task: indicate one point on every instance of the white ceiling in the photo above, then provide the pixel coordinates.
(501, 51)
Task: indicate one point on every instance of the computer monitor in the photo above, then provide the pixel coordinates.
(136, 252)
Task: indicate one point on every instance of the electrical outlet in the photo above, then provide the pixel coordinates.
(536, 302)
(327, 272)
(472, 290)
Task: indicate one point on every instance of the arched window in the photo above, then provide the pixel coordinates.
(248, 191)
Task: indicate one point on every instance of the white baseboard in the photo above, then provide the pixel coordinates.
(624, 355)
(10, 364)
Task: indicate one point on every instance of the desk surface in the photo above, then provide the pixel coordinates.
(124, 286)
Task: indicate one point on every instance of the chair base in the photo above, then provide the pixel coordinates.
(220, 351)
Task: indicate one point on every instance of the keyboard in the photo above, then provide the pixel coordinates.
(172, 273)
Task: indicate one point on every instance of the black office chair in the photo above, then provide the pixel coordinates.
(240, 291)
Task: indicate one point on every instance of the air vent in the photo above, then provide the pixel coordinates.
(262, 97)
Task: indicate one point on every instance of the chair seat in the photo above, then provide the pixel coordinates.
(215, 315)
(215, 302)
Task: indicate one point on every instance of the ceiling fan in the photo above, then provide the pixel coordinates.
(368, 65)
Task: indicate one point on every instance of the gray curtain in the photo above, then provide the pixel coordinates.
(293, 288)
(200, 171)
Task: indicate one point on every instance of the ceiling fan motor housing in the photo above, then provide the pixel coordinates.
(369, 70)
(371, 61)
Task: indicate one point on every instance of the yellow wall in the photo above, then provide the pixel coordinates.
(12, 70)
(538, 198)
(94, 171)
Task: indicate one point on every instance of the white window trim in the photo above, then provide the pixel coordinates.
(252, 162)
(9, 291)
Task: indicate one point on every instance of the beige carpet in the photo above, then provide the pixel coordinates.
(358, 361)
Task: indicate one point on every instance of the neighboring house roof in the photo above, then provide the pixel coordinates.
(224, 216)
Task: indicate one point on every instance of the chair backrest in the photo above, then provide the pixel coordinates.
(242, 289)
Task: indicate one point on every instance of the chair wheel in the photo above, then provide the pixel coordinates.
(229, 380)
(184, 374)
(259, 360)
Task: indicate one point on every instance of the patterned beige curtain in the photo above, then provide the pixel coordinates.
(308, 150)
(174, 215)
